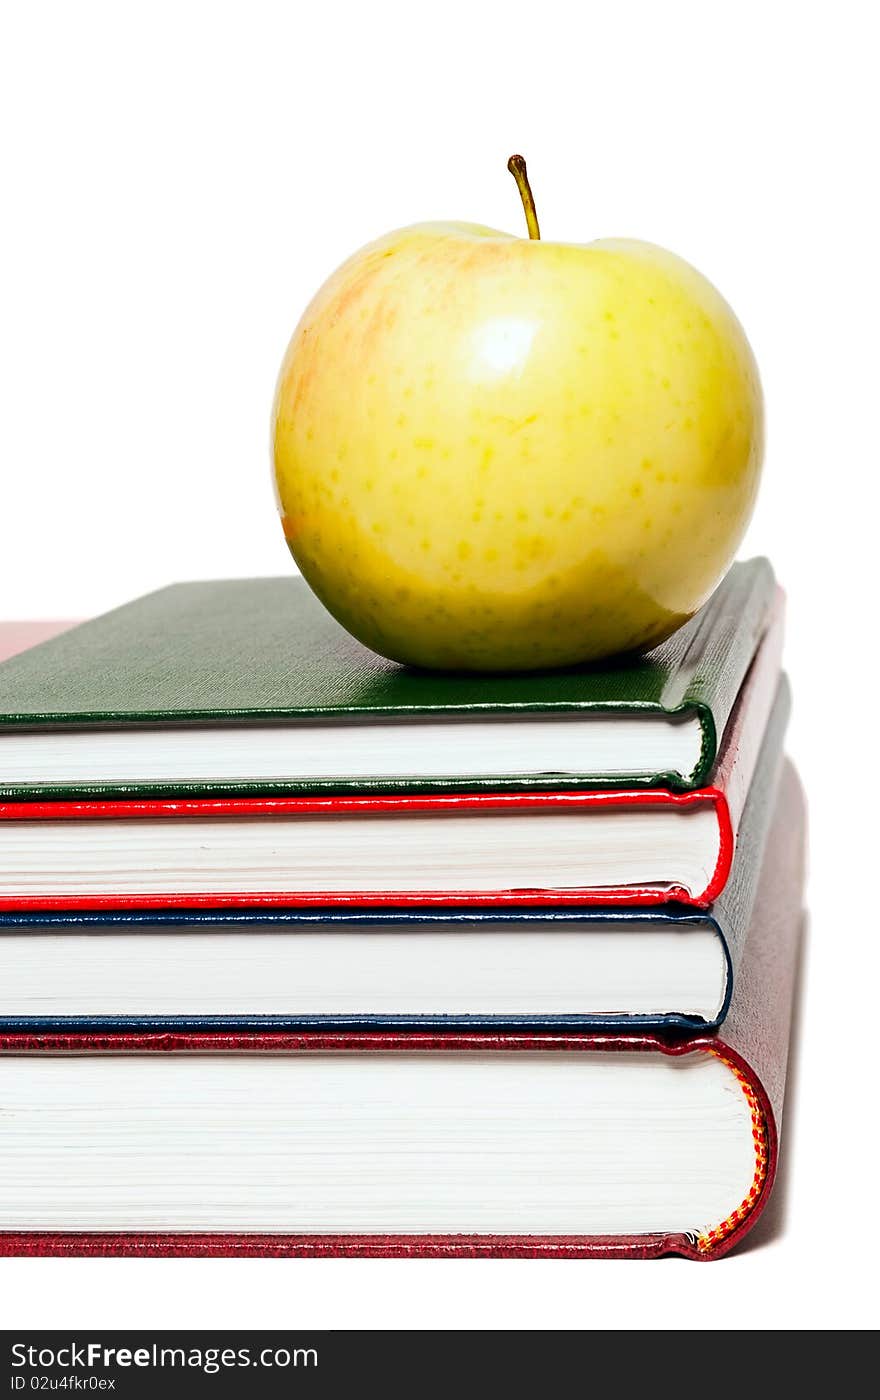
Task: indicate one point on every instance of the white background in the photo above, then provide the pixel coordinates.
(176, 181)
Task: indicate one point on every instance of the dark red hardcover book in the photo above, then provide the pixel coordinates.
(754, 734)
(752, 1045)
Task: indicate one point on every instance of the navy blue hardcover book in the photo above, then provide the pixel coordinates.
(550, 969)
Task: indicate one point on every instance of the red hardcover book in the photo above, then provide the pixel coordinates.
(411, 1144)
(618, 846)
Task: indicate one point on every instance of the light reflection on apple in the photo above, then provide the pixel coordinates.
(503, 345)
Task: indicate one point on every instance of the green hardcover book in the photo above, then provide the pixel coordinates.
(248, 687)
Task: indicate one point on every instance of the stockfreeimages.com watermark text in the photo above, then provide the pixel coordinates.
(95, 1356)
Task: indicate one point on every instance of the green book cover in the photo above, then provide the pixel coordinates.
(264, 651)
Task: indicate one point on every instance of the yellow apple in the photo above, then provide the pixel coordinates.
(496, 453)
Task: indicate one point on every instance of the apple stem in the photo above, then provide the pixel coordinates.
(517, 167)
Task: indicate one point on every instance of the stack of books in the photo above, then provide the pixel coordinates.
(303, 952)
